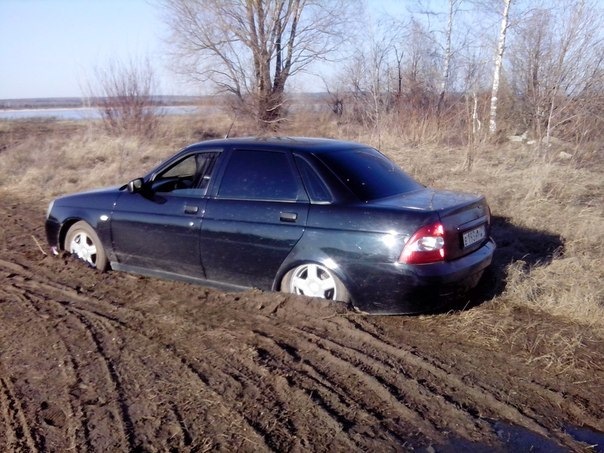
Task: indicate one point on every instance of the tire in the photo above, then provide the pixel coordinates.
(314, 280)
(83, 242)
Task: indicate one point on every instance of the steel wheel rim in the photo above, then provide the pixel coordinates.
(314, 280)
(83, 247)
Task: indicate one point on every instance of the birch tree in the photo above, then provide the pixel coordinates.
(453, 5)
(498, 65)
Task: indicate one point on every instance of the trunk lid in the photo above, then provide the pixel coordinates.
(464, 216)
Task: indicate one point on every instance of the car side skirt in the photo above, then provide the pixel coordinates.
(177, 277)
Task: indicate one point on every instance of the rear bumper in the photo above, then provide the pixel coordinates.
(405, 289)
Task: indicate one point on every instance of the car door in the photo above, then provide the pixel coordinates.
(256, 216)
(158, 228)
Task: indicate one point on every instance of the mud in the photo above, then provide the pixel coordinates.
(117, 362)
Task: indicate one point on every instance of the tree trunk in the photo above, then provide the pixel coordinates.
(498, 64)
(447, 62)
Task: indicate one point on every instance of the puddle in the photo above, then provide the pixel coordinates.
(514, 438)
(593, 440)
(517, 438)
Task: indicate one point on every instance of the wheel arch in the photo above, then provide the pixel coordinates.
(93, 218)
(295, 259)
(65, 226)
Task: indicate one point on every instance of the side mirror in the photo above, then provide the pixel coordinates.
(135, 185)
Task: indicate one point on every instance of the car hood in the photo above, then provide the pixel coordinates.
(428, 200)
(99, 198)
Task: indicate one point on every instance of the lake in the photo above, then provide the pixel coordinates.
(87, 113)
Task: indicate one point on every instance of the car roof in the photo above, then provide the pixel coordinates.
(299, 144)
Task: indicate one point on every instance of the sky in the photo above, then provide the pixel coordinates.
(50, 48)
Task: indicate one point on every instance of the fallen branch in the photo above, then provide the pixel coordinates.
(39, 246)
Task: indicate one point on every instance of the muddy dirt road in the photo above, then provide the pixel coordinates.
(116, 362)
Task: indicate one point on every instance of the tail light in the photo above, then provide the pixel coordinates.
(427, 245)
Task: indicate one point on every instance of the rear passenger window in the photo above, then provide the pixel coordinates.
(317, 191)
(259, 175)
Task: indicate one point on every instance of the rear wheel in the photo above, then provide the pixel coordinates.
(83, 242)
(314, 280)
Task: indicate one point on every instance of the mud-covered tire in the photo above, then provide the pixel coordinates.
(314, 280)
(83, 242)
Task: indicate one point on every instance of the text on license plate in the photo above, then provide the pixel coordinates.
(473, 236)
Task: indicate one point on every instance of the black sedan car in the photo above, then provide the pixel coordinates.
(316, 217)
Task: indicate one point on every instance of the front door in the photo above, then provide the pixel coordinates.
(159, 227)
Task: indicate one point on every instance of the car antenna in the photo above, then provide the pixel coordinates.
(230, 127)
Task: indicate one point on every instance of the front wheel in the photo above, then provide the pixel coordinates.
(83, 242)
(314, 280)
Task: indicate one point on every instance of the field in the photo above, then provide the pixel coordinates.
(116, 362)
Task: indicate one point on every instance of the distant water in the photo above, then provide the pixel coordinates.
(87, 113)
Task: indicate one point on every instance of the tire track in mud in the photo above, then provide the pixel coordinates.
(487, 400)
(87, 369)
(234, 377)
(348, 406)
(303, 405)
(236, 381)
(125, 424)
(410, 401)
(18, 434)
(52, 408)
(32, 290)
(484, 400)
(246, 376)
(200, 376)
(428, 405)
(95, 323)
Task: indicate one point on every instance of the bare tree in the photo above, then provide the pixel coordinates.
(419, 68)
(498, 65)
(123, 93)
(558, 61)
(367, 78)
(453, 7)
(250, 48)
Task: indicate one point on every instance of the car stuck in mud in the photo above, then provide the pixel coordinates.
(314, 217)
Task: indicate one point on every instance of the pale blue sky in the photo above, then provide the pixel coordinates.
(49, 48)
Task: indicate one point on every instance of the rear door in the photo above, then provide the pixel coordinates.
(159, 227)
(257, 215)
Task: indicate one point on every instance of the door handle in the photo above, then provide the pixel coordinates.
(191, 209)
(288, 217)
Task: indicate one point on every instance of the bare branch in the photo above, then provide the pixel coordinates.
(123, 93)
(253, 47)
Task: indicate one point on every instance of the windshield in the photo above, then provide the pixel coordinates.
(369, 174)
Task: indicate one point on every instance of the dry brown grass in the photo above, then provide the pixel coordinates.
(548, 211)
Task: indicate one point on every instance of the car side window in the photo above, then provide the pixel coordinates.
(316, 188)
(205, 166)
(188, 177)
(259, 175)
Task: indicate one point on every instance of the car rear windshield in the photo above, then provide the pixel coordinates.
(369, 174)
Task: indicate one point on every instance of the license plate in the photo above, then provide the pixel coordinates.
(473, 236)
